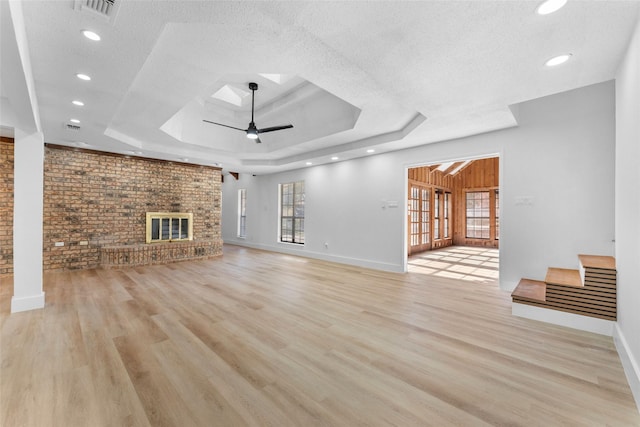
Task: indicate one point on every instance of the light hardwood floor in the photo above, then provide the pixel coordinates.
(467, 264)
(258, 338)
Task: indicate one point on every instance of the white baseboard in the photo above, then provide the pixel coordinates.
(507, 286)
(27, 303)
(629, 363)
(570, 320)
(290, 249)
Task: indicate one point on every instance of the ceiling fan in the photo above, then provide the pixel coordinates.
(252, 131)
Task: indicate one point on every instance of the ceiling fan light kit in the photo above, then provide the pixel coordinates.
(252, 131)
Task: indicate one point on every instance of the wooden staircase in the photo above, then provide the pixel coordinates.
(589, 291)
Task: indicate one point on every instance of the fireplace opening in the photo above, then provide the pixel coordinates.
(169, 227)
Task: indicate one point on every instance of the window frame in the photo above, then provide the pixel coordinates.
(437, 213)
(242, 213)
(297, 212)
(475, 218)
(497, 214)
(446, 207)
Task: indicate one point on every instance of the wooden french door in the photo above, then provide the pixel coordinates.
(418, 218)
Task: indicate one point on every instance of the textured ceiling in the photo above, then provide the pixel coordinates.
(359, 75)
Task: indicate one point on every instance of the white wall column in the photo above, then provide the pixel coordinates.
(627, 208)
(27, 221)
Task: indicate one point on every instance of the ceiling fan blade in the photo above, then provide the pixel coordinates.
(252, 131)
(227, 126)
(274, 128)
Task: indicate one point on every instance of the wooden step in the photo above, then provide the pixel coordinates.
(589, 291)
(530, 290)
(598, 261)
(564, 277)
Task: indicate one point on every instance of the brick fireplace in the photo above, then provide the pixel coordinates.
(95, 207)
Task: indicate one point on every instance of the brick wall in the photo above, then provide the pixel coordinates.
(102, 199)
(6, 206)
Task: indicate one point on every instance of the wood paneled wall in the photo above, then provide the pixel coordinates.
(478, 175)
(429, 175)
(481, 173)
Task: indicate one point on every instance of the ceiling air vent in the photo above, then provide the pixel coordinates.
(73, 127)
(101, 6)
(105, 8)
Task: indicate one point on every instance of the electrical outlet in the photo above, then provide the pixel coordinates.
(58, 244)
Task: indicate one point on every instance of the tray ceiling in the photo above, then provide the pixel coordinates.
(350, 76)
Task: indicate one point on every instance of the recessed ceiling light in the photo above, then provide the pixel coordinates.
(550, 6)
(335, 158)
(184, 159)
(91, 35)
(371, 150)
(83, 77)
(78, 103)
(74, 120)
(308, 163)
(557, 60)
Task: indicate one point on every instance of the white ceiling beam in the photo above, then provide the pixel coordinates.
(19, 102)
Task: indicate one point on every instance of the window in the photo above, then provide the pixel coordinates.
(242, 212)
(436, 214)
(477, 214)
(169, 226)
(292, 212)
(447, 209)
(497, 214)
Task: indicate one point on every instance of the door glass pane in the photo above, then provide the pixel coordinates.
(424, 214)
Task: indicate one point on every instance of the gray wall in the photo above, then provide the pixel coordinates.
(561, 156)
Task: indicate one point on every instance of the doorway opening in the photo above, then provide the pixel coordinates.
(453, 219)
